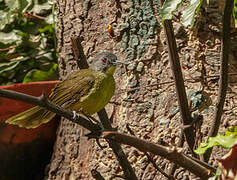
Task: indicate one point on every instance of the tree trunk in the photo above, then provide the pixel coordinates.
(134, 26)
(145, 98)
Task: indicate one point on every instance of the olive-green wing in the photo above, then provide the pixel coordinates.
(75, 86)
(68, 92)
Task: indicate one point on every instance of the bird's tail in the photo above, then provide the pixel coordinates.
(31, 118)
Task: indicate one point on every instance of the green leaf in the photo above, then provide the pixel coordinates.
(189, 13)
(202, 148)
(6, 18)
(42, 8)
(11, 37)
(19, 5)
(29, 36)
(168, 8)
(219, 140)
(235, 13)
(32, 28)
(12, 4)
(48, 28)
(39, 75)
(8, 66)
(35, 75)
(232, 130)
(50, 19)
(23, 4)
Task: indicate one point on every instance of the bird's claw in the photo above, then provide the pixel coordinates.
(74, 114)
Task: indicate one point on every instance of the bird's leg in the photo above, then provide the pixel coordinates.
(90, 118)
(99, 124)
(74, 114)
(94, 119)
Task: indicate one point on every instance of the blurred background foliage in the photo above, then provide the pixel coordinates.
(27, 41)
(192, 10)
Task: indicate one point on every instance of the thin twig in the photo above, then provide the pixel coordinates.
(79, 53)
(150, 158)
(170, 177)
(171, 153)
(116, 176)
(204, 164)
(96, 175)
(170, 82)
(225, 47)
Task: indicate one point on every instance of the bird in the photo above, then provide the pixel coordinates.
(86, 90)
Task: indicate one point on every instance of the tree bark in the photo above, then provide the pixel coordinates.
(88, 21)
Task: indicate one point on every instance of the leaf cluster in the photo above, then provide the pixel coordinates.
(226, 141)
(27, 41)
(189, 13)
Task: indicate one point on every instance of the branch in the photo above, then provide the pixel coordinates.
(171, 153)
(167, 152)
(179, 83)
(225, 47)
(79, 53)
(151, 159)
(43, 102)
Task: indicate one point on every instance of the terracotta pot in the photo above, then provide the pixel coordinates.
(24, 152)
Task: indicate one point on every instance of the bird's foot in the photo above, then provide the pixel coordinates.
(92, 119)
(75, 115)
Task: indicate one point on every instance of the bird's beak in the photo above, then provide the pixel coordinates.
(115, 63)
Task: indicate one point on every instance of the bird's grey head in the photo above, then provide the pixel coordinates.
(105, 62)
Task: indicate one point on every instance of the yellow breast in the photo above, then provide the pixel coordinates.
(98, 96)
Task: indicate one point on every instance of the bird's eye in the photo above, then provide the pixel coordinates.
(104, 60)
